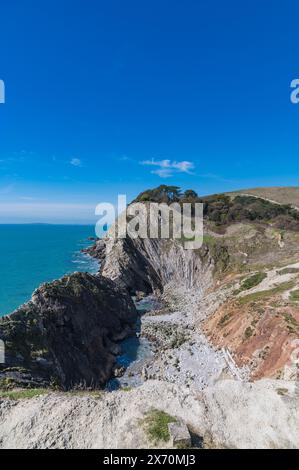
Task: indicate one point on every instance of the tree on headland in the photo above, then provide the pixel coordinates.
(162, 193)
(190, 194)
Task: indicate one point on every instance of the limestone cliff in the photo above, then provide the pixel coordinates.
(149, 264)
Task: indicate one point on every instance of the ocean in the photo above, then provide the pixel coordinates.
(33, 254)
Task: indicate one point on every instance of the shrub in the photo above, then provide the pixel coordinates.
(222, 210)
(248, 332)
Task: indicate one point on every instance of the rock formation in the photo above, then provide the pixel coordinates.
(230, 317)
(147, 265)
(67, 334)
(262, 332)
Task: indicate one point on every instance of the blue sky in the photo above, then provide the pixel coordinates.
(114, 97)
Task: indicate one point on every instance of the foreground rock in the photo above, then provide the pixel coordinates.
(230, 414)
(179, 434)
(67, 334)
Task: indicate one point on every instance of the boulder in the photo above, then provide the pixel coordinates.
(179, 434)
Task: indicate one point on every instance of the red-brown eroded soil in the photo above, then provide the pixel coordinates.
(259, 334)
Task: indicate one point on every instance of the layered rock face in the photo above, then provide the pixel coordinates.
(148, 265)
(67, 334)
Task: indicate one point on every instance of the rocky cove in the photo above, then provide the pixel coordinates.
(85, 330)
(78, 332)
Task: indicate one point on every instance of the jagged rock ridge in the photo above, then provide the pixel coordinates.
(67, 334)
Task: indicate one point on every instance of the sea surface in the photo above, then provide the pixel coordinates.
(135, 350)
(33, 254)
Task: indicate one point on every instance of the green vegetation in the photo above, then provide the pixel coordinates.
(223, 320)
(256, 296)
(162, 193)
(23, 394)
(288, 271)
(156, 425)
(222, 209)
(190, 194)
(221, 257)
(294, 295)
(253, 281)
(178, 339)
(7, 383)
(293, 323)
(248, 332)
(209, 240)
(282, 195)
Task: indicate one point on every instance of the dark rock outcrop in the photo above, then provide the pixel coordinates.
(97, 250)
(67, 334)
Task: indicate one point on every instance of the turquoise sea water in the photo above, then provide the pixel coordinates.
(135, 350)
(33, 254)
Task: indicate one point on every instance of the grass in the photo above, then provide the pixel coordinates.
(265, 293)
(253, 281)
(209, 240)
(288, 271)
(294, 295)
(156, 425)
(23, 394)
(291, 320)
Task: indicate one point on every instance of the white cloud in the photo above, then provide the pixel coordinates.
(76, 162)
(168, 167)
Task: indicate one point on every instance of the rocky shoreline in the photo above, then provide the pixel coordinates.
(162, 268)
(68, 335)
(179, 278)
(194, 378)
